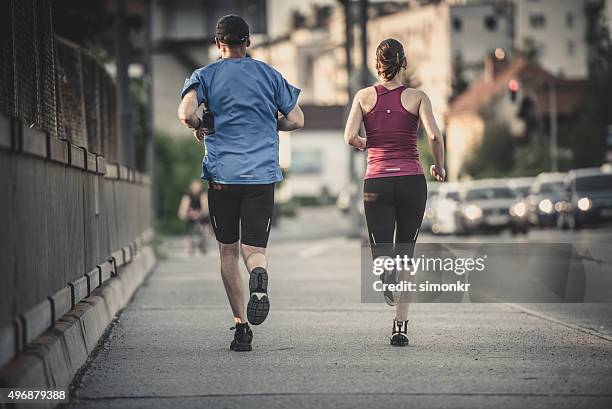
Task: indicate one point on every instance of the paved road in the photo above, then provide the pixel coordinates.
(321, 347)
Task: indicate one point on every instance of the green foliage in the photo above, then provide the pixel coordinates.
(587, 135)
(495, 155)
(138, 101)
(178, 162)
(532, 157)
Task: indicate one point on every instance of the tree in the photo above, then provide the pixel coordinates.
(587, 136)
(174, 169)
(494, 157)
(532, 155)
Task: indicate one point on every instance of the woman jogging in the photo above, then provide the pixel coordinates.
(395, 190)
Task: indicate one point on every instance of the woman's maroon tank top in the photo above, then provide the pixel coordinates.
(391, 136)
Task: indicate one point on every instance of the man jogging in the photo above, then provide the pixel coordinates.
(246, 103)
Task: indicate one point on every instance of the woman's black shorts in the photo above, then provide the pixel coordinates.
(394, 208)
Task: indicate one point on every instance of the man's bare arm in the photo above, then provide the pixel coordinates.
(294, 120)
(188, 108)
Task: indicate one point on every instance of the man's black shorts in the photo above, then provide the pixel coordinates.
(241, 212)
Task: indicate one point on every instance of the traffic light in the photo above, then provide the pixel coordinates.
(513, 87)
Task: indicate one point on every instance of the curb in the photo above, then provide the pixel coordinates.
(52, 360)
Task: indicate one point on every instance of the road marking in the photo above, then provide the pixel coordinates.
(559, 322)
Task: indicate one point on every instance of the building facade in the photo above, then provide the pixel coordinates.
(556, 28)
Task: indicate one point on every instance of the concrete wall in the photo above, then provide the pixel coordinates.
(64, 213)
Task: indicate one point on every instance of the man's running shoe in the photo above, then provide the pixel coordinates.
(399, 336)
(259, 304)
(242, 338)
(390, 277)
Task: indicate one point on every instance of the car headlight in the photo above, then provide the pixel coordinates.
(519, 209)
(546, 206)
(429, 213)
(584, 204)
(472, 212)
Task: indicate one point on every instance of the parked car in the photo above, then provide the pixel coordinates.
(546, 191)
(485, 206)
(588, 198)
(521, 186)
(428, 217)
(519, 211)
(444, 209)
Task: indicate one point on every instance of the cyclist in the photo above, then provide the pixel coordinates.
(193, 209)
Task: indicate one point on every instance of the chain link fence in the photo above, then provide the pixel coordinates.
(52, 84)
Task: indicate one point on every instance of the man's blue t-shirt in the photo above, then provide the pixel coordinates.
(244, 96)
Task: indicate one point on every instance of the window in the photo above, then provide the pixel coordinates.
(537, 21)
(571, 47)
(457, 24)
(307, 162)
(569, 20)
(490, 23)
(551, 187)
(595, 182)
(489, 194)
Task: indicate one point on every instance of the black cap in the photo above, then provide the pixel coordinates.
(232, 30)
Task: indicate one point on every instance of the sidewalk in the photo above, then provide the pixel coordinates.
(321, 347)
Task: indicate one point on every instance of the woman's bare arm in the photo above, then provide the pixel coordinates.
(353, 125)
(436, 142)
